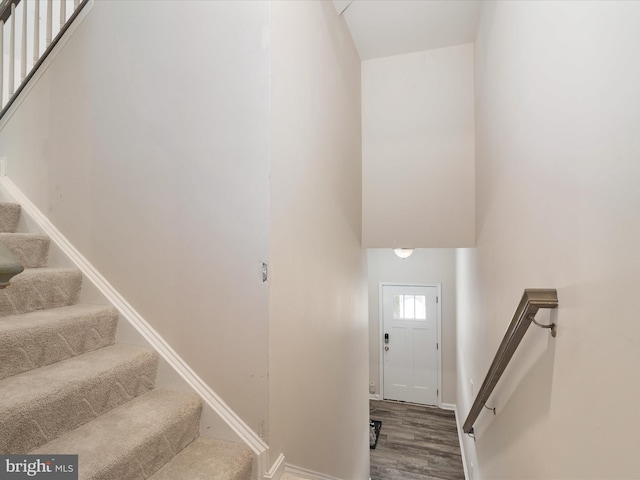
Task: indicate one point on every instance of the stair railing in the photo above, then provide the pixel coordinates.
(532, 301)
(24, 22)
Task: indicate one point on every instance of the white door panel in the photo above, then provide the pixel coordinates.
(398, 358)
(410, 371)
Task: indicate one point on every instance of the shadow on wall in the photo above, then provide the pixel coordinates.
(523, 398)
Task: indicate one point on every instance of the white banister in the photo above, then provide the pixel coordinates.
(63, 12)
(36, 33)
(23, 47)
(28, 16)
(49, 21)
(12, 50)
(1, 64)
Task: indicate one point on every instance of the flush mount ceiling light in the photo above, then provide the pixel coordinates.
(403, 252)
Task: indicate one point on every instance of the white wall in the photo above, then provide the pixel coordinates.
(557, 117)
(417, 149)
(425, 265)
(318, 323)
(146, 142)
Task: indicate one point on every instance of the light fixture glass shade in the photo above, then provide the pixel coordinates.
(403, 252)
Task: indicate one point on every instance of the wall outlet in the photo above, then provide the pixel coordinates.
(3, 166)
(471, 382)
(471, 472)
(372, 388)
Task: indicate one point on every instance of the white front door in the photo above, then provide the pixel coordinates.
(410, 343)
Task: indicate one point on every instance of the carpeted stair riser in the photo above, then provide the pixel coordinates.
(9, 217)
(204, 456)
(33, 340)
(135, 440)
(39, 289)
(42, 404)
(66, 388)
(31, 250)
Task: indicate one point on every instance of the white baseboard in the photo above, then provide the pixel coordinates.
(277, 469)
(375, 396)
(307, 474)
(460, 433)
(448, 406)
(235, 423)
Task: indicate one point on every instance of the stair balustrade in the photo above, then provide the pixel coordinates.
(23, 47)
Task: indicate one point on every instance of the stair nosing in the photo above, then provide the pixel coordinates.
(111, 451)
(25, 234)
(19, 320)
(56, 388)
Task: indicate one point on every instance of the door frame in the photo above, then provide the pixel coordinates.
(438, 287)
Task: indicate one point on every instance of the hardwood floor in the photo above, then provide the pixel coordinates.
(415, 443)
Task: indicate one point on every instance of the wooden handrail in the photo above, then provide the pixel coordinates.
(5, 9)
(532, 301)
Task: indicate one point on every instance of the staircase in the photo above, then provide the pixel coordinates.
(66, 387)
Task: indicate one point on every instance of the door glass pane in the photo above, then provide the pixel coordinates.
(421, 308)
(409, 307)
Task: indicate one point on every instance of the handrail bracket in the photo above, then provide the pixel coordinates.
(493, 409)
(551, 326)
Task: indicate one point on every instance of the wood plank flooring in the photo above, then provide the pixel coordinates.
(416, 443)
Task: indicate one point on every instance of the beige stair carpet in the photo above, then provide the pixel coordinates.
(43, 337)
(134, 440)
(62, 396)
(67, 388)
(31, 250)
(204, 456)
(9, 217)
(39, 289)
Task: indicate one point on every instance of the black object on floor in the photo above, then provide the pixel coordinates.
(374, 432)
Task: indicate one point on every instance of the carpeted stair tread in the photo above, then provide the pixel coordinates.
(65, 387)
(9, 216)
(39, 289)
(30, 249)
(35, 339)
(134, 440)
(42, 404)
(207, 459)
